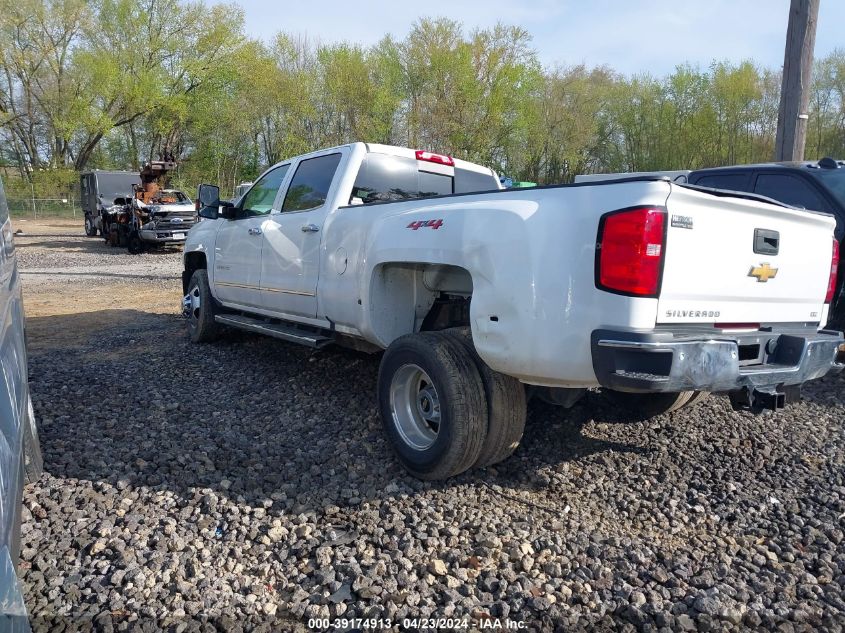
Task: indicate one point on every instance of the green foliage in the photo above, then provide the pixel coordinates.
(113, 83)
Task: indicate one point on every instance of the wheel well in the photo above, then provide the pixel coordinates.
(447, 311)
(193, 262)
(412, 297)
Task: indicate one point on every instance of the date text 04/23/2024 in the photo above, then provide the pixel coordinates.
(415, 624)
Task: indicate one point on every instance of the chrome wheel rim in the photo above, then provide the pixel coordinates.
(415, 406)
(191, 305)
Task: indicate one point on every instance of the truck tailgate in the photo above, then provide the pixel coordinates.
(732, 260)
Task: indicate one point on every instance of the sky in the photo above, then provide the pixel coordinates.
(631, 36)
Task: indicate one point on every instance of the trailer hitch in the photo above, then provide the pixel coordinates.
(765, 398)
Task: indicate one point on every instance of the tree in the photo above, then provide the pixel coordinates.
(147, 58)
(40, 92)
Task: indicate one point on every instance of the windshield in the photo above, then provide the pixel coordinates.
(170, 197)
(112, 186)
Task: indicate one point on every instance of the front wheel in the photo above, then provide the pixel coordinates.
(134, 243)
(198, 309)
(432, 405)
(90, 229)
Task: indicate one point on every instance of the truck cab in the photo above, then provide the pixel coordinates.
(267, 255)
(99, 190)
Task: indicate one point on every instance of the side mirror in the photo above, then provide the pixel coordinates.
(209, 213)
(208, 196)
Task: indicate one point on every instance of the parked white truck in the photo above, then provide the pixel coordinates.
(654, 290)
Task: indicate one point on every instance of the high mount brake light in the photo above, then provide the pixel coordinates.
(834, 269)
(440, 159)
(631, 249)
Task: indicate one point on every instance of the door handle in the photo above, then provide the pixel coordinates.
(310, 228)
(254, 231)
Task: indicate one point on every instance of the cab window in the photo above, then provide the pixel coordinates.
(728, 182)
(259, 199)
(790, 190)
(310, 185)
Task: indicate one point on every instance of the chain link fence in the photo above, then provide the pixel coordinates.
(60, 206)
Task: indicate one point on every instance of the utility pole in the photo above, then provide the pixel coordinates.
(797, 74)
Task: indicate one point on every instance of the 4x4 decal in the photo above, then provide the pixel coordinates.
(420, 224)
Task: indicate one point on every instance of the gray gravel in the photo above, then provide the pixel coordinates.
(58, 256)
(248, 483)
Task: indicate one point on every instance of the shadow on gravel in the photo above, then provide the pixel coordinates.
(133, 403)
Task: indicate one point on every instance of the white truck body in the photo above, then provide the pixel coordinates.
(526, 257)
(644, 286)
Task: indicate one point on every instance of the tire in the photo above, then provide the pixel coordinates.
(443, 433)
(506, 406)
(198, 308)
(90, 229)
(643, 406)
(134, 243)
(697, 398)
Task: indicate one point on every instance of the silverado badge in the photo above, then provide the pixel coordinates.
(763, 272)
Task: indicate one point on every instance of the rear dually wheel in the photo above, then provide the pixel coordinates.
(432, 404)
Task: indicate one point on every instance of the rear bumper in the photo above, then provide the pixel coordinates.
(664, 362)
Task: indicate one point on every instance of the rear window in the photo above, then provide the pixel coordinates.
(383, 177)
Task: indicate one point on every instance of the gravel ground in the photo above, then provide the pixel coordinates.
(247, 484)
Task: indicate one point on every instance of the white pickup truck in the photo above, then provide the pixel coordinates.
(657, 291)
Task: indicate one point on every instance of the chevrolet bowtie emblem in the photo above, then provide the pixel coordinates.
(763, 272)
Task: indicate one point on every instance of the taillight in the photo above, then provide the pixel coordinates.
(834, 269)
(631, 247)
(440, 159)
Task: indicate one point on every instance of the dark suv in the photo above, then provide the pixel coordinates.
(817, 186)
